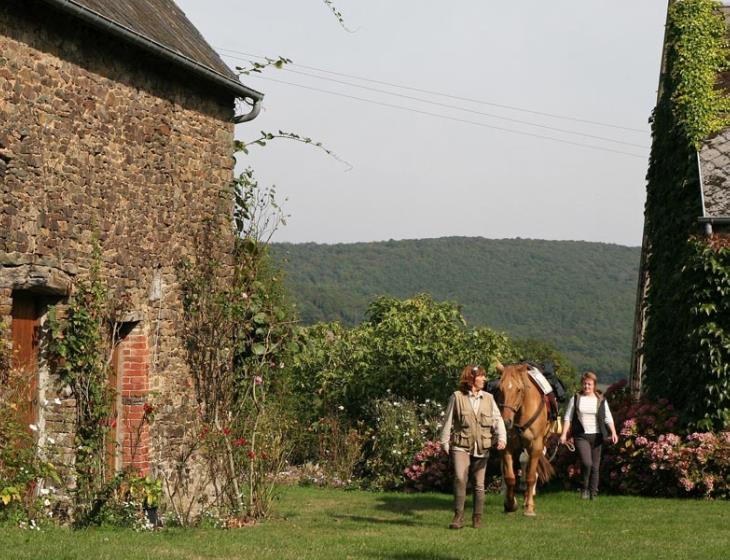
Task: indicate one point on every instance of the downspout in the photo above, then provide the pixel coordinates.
(708, 223)
(252, 114)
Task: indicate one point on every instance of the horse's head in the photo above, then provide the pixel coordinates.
(512, 391)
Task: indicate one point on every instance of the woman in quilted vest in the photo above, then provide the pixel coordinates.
(472, 425)
(591, 421)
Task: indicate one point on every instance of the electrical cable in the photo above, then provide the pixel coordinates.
(446, 117)
(460, 98)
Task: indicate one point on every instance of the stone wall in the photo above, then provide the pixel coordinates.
(99, 141)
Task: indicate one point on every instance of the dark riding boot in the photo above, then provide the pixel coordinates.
(476, 520)
(458, 521)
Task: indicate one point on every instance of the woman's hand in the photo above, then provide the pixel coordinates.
(501, 445)
(564, 435)
(614, 438)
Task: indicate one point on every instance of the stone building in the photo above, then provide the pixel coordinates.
(116, 125)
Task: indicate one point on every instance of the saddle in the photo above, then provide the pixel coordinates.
(545, 387)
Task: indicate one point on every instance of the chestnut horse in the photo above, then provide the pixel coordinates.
(526, 419)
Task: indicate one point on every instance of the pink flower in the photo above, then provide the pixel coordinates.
(258, 380)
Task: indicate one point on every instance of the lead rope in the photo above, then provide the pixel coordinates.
(556, 429)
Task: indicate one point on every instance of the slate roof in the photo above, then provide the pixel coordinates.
(161, 26)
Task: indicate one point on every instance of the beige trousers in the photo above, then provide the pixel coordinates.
(464, 464)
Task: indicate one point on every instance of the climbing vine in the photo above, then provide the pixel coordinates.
(707, 277)
(239, 333)
(80, 353)
(685, 338)
(697, 43)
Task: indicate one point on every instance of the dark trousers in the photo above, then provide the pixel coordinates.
(589, 448)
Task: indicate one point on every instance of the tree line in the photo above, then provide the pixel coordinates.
(579, 296)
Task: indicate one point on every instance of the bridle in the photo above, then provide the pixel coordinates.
(512, 408)
(502, 404)
(521, 428)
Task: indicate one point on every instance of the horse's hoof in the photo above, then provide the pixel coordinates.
(510, 509)
(530, 513)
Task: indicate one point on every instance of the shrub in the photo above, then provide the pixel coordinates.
(340, 450)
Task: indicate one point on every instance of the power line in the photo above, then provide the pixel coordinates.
(446, 117)
(472, 111)
(442, 94)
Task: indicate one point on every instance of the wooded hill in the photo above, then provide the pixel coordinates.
(576, 295)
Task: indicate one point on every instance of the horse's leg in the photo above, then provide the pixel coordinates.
(524, 461)
(531, 478)
(508, 476)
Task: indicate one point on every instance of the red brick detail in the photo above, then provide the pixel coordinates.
(134, 368)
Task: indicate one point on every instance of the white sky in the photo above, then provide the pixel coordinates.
(418, 176)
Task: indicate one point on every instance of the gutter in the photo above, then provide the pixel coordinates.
(98, 21)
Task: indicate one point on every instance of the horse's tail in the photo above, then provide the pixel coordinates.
(545, 469)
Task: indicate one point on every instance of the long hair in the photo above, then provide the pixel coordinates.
(469, 375)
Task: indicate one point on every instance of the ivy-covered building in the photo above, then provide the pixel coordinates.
(116, 150)
(682, 326)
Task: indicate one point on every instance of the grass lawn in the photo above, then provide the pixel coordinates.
(316, 523)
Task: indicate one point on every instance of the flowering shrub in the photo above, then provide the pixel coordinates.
(696, 465)
(429, 470)
(401, 430)
(394, 440)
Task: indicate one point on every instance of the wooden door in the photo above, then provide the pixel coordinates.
(25, 331)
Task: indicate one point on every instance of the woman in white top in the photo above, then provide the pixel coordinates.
(590, 418)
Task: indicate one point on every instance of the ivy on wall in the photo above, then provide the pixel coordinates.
(686, 340)
(707, 275)
(696, 36)
(80, 352)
